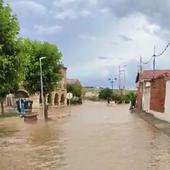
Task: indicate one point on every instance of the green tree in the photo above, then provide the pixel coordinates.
(51, 67)
(25, 53)
(132, 97)
(105, 93)
(9, 63)
(75, 89)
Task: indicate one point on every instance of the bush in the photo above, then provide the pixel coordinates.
(105, 93)
(75, 100)
(132, 97)
(117, 97)
(75, 89)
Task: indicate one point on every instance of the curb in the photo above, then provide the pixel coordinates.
(161, 125)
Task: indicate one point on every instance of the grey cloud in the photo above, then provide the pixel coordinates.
(28, 8)
(125, 38)
(72, 9)
(114, 43)
(48, 29)
(103, 58)
(88, 37)
(29, 13)
(156, 11)
(74, 50)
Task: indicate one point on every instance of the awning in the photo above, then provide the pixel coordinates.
(22, 93)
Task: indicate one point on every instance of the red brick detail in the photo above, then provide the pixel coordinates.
(158, 90)
(150, 74)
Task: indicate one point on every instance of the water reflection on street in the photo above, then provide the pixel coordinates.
(94, 137)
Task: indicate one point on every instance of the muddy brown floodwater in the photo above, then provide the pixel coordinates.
(93, 137)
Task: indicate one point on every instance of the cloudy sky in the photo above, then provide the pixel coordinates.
(96, 36)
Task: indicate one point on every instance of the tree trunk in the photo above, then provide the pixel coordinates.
(2, 107)
(45, 108)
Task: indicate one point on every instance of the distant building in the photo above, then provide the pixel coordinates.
(154, 93)
(91, 92)
(73, 81)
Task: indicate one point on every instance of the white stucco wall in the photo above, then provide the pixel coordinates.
(146, 98)
(167, 97)
(166, 114)
(36, 103)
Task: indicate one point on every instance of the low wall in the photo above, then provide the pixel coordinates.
(163, 116)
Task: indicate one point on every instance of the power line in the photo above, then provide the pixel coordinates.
(154, 56)
(147, 62)
(164, 50)
(157, 55)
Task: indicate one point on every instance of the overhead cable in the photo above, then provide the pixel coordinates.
(164, 50)
(147, 62)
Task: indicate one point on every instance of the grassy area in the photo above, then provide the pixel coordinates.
(7, 115)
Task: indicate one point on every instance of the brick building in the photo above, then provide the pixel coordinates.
(154, 93)
(58, 97)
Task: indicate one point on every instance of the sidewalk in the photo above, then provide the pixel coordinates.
(162, 125)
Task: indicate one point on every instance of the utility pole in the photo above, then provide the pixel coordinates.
(119, 78)
(41, 81)
(124, 86)
(154, 61)
(141, 64)
(122, 69)
(124, 75)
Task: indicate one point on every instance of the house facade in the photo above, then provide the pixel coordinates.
(59, 96)
(154, 93)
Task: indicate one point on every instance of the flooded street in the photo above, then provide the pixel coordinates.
(93, 137)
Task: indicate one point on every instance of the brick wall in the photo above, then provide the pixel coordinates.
(158, 90)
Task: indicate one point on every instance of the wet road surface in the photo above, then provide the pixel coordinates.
(93, 137)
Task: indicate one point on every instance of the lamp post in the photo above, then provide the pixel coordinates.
(111, 80)
(41, 81)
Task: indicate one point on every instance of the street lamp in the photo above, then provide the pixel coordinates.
(41, 81)
(111, 80)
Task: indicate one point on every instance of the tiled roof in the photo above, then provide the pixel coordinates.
(150, 74)
(73, 81)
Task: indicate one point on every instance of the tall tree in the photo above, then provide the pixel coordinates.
(9, 30)
(51, 67)
(25, 47)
